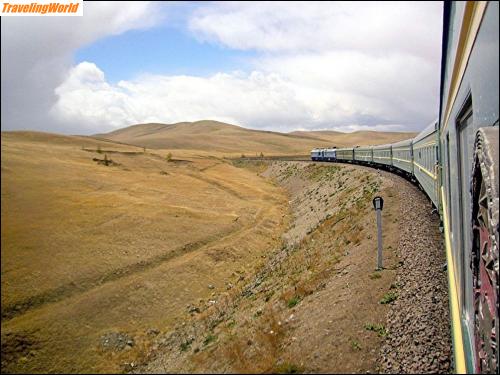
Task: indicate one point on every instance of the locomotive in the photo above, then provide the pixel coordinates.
(455, 161)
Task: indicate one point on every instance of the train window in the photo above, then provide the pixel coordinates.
(465, 146)
(448, 172)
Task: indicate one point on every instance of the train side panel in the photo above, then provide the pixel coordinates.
(315, 154)
(425, 162)
(382, 154)
(363, 154)
(469, 101)
(330, 154)
(402, 155)
(345, 154)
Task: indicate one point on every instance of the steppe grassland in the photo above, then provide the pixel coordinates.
(89, 249)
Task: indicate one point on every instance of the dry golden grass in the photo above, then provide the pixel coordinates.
(89, 249)
(308, 304)
(218, 137)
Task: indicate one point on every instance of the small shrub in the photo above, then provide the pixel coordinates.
(395, 285)
(379, 328)
(388, 298)
(210, 338)
(293, 302)
(185, 346)
(169, 156)
(99, 149)
(355, 345)
(375, 275)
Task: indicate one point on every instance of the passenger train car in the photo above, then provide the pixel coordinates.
(455, 160)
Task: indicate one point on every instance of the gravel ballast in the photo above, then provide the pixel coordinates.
(418, 323)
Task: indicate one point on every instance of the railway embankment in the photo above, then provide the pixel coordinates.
(314, 302)
(317, 304)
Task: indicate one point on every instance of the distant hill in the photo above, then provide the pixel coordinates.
(209, 135)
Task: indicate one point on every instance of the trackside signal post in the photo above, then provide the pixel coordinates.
(378, 204)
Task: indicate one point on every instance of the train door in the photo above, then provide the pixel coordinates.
(411, 158)
(465, 147)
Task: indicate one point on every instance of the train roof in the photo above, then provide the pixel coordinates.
(404, 142)
(363, 147)
(429, 129)
(378, 147)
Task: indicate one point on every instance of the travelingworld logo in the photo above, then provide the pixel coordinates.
(41, 8)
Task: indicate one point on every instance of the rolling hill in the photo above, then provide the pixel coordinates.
(214, 136)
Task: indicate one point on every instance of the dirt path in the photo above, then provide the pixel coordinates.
(83, 285)
(98, 260)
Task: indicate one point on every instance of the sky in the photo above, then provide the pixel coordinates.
(281, 66)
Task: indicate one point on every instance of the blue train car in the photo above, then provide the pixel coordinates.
(316, 154)
(330, 154)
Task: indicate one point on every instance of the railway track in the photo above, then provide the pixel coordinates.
(275, 158)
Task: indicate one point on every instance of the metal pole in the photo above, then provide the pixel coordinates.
(379, 232)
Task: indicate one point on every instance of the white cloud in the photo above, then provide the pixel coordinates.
(344, 86)
(352, 63)
(341, 65)
(377, 27)
(263, 100)
(37, 52)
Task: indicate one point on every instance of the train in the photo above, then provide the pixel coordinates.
(455, 161)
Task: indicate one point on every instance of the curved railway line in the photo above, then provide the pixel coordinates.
(455, 161)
